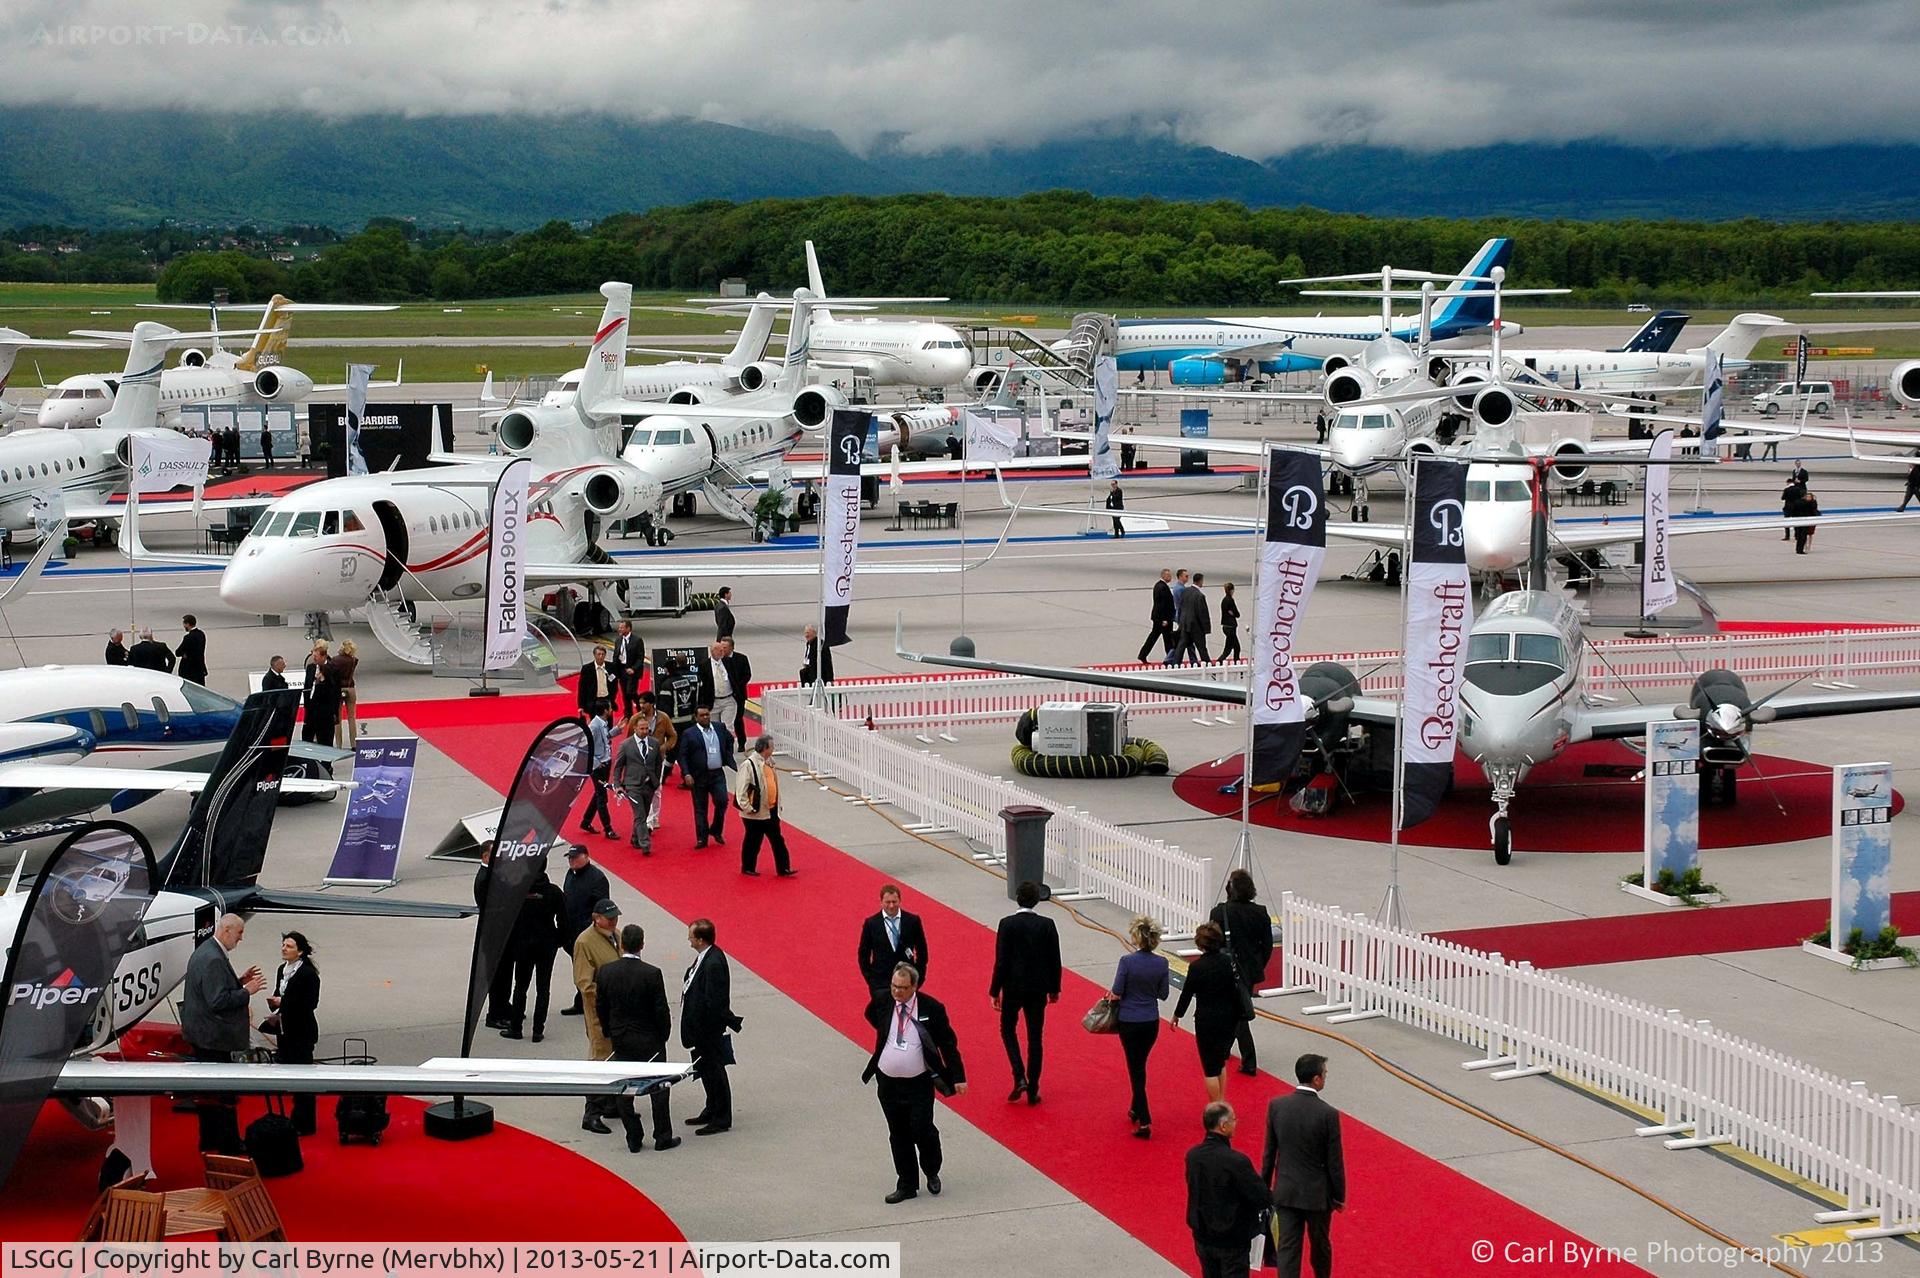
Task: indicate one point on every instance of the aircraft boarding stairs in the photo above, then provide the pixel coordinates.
(1058, 374)
(398, 629)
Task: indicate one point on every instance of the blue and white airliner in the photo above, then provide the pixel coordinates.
(1198, 352)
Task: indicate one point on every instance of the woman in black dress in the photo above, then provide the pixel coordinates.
(1249, 932)
(1211, 986)
(296, 993)
(1229, 623)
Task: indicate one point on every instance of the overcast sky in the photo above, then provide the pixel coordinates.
(1256, 79)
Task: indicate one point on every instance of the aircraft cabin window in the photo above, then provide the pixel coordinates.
(1511, 490)
(129, 716)
(160, 712)
(305, 524)
(1479, 490)
(99, 722)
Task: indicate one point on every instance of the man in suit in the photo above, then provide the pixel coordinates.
(593, 949)
(116, 648)
(1225, 1197)
(725, 690)
(500, 986)
(1116, 502)
(630, 998)
(598, 683)
(1303, 1164)
(888, 939)
(534, 941)
(915, 1054)
(723, 614)
(629, 658)
(1162, 618)
(584, 886)
(1026, 977)
(191, 655)
(214, 1020)
(636, 774)
(266, 448)
(812, 653)
(706, 1014)
(150, 653)
(706, 752)
(276, 675)
(1195, 624)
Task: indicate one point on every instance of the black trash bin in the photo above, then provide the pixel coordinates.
(1026, 847)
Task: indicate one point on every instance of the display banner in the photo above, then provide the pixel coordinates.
(505, 613)
(1671, 829)
(988, 441)
(1713, 408)
(1439, 617)
(1290, 556)
(1103, 464)
(162, 460)
(358, 376)
(77, 923)
(550, 779)
(840, 519)
(224, 843)
(1800, 360)
(1862, 851)
(1658, 587)
(368, 853)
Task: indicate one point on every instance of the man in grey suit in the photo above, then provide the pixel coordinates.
(1303, 1164)
(213, 1017)
(636, 774)
(1195, 623)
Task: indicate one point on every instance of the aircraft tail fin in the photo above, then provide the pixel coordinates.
(136, 400)
(1743, 333)
(604, 376)
(752, 343)
(1656, 336)
(817, 282)
(269, 340)
(1469, 301)
(793, 371)
(224, 843)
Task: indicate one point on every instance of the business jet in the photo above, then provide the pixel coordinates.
(1631, 368)
(12, 342)
(256, 375)
(887, 352)
(744, 368)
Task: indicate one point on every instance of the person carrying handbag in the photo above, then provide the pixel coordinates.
(1139, 985)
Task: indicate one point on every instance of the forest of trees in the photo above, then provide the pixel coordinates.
(1058, 248)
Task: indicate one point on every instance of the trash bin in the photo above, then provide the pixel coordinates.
(1026, 847)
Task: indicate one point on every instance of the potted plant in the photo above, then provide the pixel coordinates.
(767, 515)
(1689, 888)
(1883, 949)
(69, 547)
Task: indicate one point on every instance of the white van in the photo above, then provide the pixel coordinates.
(1795, 398)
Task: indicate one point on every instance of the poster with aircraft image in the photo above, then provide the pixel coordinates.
(1862, 850)
(1672, 834)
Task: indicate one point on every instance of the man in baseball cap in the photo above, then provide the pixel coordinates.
(593, 949)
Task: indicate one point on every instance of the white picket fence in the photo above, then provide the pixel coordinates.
(1085, 856)
(1614, 668)
(1709, 1087)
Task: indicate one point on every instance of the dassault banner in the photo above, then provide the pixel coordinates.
(162, 460)
(1713, 408)
(358, 377)
(1658, 588)
(77, 924)
(988, 441)
(1106, 393)
(1296, 542)
(840, 519)
(1672, 832)
(1439, 616)
(368, 853)
(544, 790)
(505, 613)
(1862, 851)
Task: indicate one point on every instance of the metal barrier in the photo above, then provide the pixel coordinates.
(1086, 855)
(1707, 1086)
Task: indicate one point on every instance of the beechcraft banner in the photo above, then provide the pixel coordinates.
(505, 612)
(1106, 393)
(1296, 542)
(79, 921)
(550, 779)
(1439, 616)
(840, 519)
(1658, 589)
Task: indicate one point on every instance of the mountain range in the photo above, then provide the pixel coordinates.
(94, 167)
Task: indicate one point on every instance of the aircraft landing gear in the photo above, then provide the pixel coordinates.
(1502, 841)
(1360, 512)
(1505, 778)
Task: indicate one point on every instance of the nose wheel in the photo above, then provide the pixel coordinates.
(1502, 841)
(1505, 780)
(1359, 512)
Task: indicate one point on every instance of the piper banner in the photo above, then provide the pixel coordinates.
(78, 923)
(1439, 616)
(1290, 556)
(1862, 851)
(1658, 589)
(1671, 829)
(1106, 393)
(368, 853)
(163, 460)
(506, 618)
(840, 519)
(544, 790)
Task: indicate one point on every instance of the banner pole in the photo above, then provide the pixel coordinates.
(132, 539)
(1392, 912)
(1242, 858)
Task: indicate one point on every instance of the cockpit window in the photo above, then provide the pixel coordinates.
(205, 700)
(330, 524)
(1511, 490)
(350, 522)
(1542, 648)
(1537, 660)
(1479, 490)
(1487, 647)
(305, 524)
(277, 526)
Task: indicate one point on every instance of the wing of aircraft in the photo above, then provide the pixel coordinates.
(642, 567)
(61, 776)
(1232, 447)
(1231, 397)
(149, 507)
(441, 1076)
(1595, 722)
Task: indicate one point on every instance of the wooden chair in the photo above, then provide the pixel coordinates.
(225, 1171)
(133, 1215)
(251, 1215)
(950, 513)
(90, 1232)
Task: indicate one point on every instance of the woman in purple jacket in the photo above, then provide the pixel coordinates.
(1140, 984)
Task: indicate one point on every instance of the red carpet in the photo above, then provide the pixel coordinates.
(1584, 801)
(1724, 929)
(1078, 1137)
(507, 1187)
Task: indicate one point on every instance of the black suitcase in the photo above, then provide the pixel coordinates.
(359, 1115)
(272, 1142)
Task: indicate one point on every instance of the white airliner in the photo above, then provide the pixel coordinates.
(1629, 369)
(219, 376)
(888, 352)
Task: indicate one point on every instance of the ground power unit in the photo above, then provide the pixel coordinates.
(1080, 727)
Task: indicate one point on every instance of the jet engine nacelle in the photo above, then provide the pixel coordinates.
(814, 405)
(1494, 406)
(1334, 363)
(281, 382)
(1437, 369)
(691, 395)
(1570, 460)
(1193, 371)
(1344, 385)
(984, 380)
(758, 375)
(620, 492)
(192, 358)
(1905, 383)
(1416, 448)
(517, 431)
